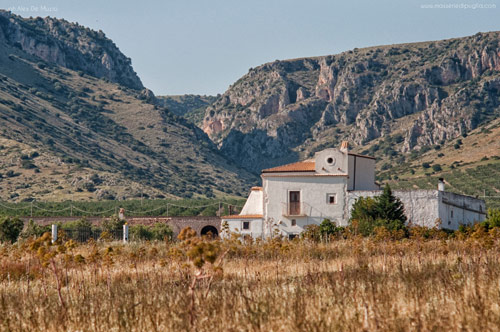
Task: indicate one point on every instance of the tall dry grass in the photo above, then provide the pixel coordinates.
(346, 285)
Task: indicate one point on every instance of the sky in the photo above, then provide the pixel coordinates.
(203, 46)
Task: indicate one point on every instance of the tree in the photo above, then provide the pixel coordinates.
(389, 207)
(363, 215)
(10, 228)
(385, 211)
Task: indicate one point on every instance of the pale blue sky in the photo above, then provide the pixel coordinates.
(203, 46)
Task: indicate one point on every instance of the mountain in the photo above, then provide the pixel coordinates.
(69, 45)
(390, 101)
(191, 107)
(76, 123)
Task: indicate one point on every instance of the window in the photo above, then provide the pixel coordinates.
(294, 203)
(331, 199)
(294, 222)
(246, 225)
(452, 213)
(330, 161)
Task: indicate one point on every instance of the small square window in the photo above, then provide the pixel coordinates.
(294, 222)
(246, 225)
(331, 199)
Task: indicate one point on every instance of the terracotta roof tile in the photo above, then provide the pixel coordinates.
(308, 165)
(257, 188)
(247, 216)
(301, 166)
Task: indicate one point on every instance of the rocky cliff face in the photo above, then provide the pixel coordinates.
(69, 45)
(284, 109)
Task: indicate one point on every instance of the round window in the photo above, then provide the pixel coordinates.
(330, 160)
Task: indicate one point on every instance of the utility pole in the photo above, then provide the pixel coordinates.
(167, 209)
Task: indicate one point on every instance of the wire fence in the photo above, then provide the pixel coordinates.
(84, 234)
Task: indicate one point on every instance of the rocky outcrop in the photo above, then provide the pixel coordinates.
(290, 108)
(69, 45)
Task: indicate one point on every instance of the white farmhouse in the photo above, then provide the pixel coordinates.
(296, 195)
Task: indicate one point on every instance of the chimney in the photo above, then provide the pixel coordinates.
(441, 184)
(344, 146)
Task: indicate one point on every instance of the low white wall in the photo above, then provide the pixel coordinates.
(456, 210)
(426, 207)
(421, 206)
(236, 226)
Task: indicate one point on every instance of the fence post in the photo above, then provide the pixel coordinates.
(125, 233)
(54, 233)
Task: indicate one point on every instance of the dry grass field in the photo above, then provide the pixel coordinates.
(354, 284)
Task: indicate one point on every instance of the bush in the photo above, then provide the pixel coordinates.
(436, 168)
(158, 232)
(327, 228)
(426, 165)
(80, 224)
(112, 224)
(493, 219)
(161, 232)
(10, 228)
(311, 232)
(140, 232)
(34, 230)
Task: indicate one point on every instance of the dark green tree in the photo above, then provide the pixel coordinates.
(385, 210)
(389, 207)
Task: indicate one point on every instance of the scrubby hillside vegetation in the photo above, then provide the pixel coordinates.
(393, 102)
(69, 132)
(191, 107)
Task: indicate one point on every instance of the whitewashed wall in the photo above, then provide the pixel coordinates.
(236, 226)
(313, 192)
(254, 203)
(363, 176)
(425, 207)
(466, 210)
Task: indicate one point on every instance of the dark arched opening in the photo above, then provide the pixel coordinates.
(209, 231)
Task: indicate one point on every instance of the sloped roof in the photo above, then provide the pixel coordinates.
(308, 165)
(301, 166)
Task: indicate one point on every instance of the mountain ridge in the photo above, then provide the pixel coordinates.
(293, 107)
(71, 134)
(69, 45)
